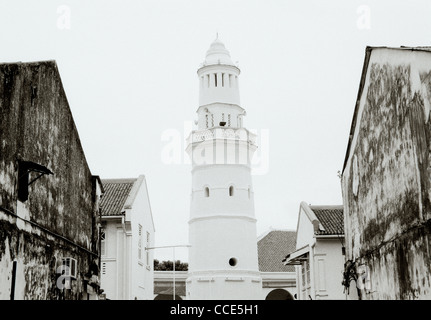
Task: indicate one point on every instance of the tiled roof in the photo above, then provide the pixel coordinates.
(331, 218)
(116, 193)
(272, 249)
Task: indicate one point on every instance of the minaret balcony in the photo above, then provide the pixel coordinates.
(215, 133)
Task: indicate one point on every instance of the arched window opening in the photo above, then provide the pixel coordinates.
(231, 191)
(206, 192)
(215, 79)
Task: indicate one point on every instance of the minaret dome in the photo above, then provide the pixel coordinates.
(219, 89)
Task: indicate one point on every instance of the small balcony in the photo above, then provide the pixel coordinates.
(236, 134)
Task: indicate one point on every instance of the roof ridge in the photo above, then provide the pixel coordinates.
(334, 206)
(119, 180)
(29, 62)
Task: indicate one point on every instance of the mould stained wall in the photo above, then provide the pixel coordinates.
(37, 125)
(386, 182)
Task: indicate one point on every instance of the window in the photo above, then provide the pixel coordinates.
(249, 193)
(69, 267)
(305, 273)
(231, 191)
(222, 79)
(102, 242)
(208, 80)
(140, 243)
(215, 79)
(206, 192)
(103, 267)
(148, 251)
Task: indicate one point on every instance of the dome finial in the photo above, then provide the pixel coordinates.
(217, 53)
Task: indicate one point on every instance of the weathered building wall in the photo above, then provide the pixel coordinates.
(386, 178)
(59, 219)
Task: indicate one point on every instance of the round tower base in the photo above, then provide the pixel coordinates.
(224, 286)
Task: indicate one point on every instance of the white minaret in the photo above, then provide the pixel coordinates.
(222, 227)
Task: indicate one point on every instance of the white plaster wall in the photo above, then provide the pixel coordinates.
(218, 239)
(142, 277)
(127, 276)
(215, 113)
(226, 287)
(328, 270)
(113, 260)
(219, 150)
(305, 231)
(278, 280)
(218, 179)
(209, 93)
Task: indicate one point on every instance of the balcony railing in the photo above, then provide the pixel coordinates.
(237, 134)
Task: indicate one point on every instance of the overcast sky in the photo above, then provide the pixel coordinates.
(129, 72)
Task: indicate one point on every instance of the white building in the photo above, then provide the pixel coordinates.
(319, 258)
(278, 280)
(223, 261)
(127, 229)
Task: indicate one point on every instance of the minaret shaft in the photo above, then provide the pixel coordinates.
(223, 260)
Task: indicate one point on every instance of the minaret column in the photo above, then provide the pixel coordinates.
(223, 262)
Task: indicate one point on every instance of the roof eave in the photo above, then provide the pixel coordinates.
(117, 216)
(368, 50)
(317, 226)
(329, 236)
